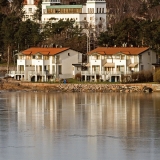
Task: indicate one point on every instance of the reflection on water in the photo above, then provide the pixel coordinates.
(77, 126)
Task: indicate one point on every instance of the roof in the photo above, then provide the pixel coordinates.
(44, 51)
(109, 65)
(132, 65)
(115, 50)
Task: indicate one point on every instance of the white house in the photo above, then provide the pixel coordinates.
(29, 8)
(111, 62)
(92, 14)
(45, 64)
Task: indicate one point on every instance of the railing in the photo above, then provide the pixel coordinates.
(31, 73)
(104, 72)
(40, 73)
(15, 72)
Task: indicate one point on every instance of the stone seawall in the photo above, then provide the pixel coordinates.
(44, 87)
(94, 87)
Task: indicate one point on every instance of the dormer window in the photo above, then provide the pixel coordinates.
(38, 56)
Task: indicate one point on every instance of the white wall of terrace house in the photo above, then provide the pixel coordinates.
(33, 64)
(96, 62)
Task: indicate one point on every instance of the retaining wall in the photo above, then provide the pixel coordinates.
(68, 87)
(93, 87)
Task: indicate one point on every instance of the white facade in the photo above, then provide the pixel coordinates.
(93, 13)
(46, 64)
(29, 10)
(111, 63)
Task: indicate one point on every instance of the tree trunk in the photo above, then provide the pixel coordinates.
(8, 59)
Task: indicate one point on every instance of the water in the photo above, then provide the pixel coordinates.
(79, 126)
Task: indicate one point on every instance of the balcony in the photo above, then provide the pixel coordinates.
(113, 73)
(40, 73)
(14, 73)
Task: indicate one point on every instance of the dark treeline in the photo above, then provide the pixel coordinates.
(131, 32)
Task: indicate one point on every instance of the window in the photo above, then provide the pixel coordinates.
(100, 18)
(38, 57)
(140, 58)
(53, 69)
(117, 57)
(30, 9)
(45, 57)
(68, 54)
(84, 18)
(60, 69)
(142, 67)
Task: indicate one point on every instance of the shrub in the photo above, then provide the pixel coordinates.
(157, 76)
(135, 76)
(148, 76)
(125, 78)
(78, 76)
(142, 76)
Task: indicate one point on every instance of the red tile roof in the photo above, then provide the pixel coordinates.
(35, 2)
(115, 50)
(44, 51)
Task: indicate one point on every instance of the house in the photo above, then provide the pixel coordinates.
(110, 63)
(47, 64)
(92, 14)
(29, 8)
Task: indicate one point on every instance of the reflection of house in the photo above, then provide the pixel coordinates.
(110, 63)
(93, 13)
(44, 64)
(29, 8)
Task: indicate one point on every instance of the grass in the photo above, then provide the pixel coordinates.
(74, 81)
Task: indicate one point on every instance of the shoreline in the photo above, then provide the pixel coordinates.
(70, 87)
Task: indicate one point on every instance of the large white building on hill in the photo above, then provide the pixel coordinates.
(92, 14)
(29, 8)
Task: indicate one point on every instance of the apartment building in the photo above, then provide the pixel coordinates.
(110, 63)
(47, 64)
(92, 14)
(29, 8)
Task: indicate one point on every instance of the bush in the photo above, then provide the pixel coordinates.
(148, 76)
(135, 76)
(157, 76)
(125, 78)
(78, 76)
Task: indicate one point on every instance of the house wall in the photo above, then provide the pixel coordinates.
(67, 58)
(93, 17)
(96, 13)
(29, 14)
(76, 17)
(32, 67)
(148, 58)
